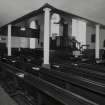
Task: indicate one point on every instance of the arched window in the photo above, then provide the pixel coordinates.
(33, 25)
(34, 41)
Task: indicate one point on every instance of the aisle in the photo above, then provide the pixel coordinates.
(5, 99)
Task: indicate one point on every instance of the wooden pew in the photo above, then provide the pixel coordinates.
(84, 79)
(82, 70)
(62, 95)
(98, 87)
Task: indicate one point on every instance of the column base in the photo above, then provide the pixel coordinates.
(9, 56)
(47, 66)
(98, 60)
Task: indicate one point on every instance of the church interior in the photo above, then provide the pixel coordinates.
(52, 57)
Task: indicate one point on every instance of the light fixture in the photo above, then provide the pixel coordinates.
(35, 68)
(22, 28)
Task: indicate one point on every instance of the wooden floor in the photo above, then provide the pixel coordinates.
(5, 99)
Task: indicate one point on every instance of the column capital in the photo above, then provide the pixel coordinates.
(9, 25)
(46, 9)
(97, 25)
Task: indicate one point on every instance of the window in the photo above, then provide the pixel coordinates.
(104, 43)
(93, 38)
(33, 24)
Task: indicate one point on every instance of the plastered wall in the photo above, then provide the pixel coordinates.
(102, 38)
(40, 19)
(25, 42)
(91, 30)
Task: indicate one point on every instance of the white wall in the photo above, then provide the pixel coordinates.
(16, 42)
(25, 42)
(89, 31)
(81, 35)
(79, 31)
(19, 42)
(3, 39)
(102, 38)
(40, 19)
(34, 43)
(55, 29)
(69, 22)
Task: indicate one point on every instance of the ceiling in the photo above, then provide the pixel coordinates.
(90, 9)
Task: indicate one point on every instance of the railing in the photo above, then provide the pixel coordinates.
(16, 31)
(84, 47)
(72, 43)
